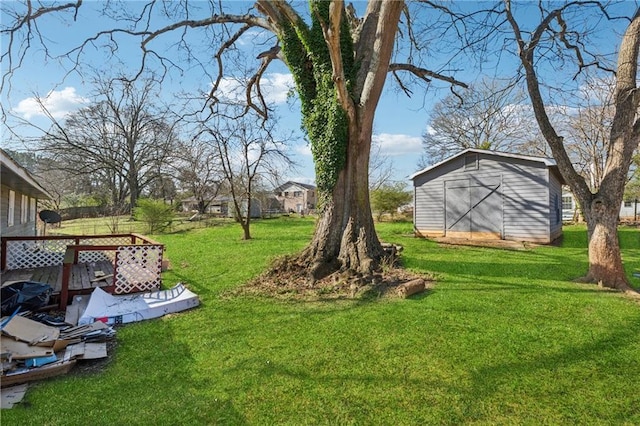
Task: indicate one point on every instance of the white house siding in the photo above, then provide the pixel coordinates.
(23, 223)
(525, 190)
(628, 209)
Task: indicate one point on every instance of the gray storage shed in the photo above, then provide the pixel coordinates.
(480, 194)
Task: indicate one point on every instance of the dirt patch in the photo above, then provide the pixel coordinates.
(288, 279)
(95, 366)
(500, 244)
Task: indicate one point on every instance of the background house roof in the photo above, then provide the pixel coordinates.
(291, 183)
(19, 179)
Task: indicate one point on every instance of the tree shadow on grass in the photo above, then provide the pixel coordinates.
(577, 368)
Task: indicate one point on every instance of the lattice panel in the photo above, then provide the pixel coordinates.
(35, 253)
(105, 241)
(138, 268)
(86, 256)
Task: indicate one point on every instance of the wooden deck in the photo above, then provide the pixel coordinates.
(84, 276)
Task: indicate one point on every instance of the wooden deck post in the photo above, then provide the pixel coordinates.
(69, 256)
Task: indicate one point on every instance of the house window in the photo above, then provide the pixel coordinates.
(297, 194)
(628, 203)
(11, 208)
(471, 162)
(32, 210)
(567, 203)
(24, 209)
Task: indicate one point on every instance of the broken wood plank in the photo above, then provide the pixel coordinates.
(102, 278)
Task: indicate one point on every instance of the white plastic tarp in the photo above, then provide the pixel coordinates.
(130, 308)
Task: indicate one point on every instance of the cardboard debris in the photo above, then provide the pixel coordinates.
(25, 360)
(22, 350)
(12, 395)
(76, 308)
(130, 308)
(40, 361)
(32, 332)
(86, 351)
(24, 375)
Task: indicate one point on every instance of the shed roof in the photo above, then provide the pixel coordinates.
(548, 162)
(18, 178)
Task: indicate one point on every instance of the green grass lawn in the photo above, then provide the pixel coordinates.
(505, 337)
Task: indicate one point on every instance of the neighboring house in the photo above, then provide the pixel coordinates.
(19, 199)
(489, 195)
(629, 210)
(296, 197)
(217, 206)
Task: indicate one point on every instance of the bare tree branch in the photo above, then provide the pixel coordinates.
(425, 74)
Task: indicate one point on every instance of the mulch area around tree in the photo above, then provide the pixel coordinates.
(289, 280)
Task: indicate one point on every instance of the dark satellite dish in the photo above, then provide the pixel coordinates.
(49, 216)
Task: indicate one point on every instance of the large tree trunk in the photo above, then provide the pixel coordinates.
(605, 258)
(345, 237)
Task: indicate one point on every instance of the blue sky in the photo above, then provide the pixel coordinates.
(400, 121)
(399, 125)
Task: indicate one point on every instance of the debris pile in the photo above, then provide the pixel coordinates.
(37, 346)
(33, 350)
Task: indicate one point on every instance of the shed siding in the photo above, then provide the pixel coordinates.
(526, 196)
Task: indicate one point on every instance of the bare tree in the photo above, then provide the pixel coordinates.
(121, 140)
(248, 152)
(199, 170)
(488, 115)
(552, 34)
(380, 168)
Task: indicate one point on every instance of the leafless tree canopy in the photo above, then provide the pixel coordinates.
(490, 116)
(121, 139)
(246, 151)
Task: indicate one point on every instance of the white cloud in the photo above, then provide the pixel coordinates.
(303, 149)
(398, 144)
(59, 103)
(275, 88)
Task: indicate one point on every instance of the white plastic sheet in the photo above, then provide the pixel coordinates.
(137, 307)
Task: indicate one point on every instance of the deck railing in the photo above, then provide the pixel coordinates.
(137, 260)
